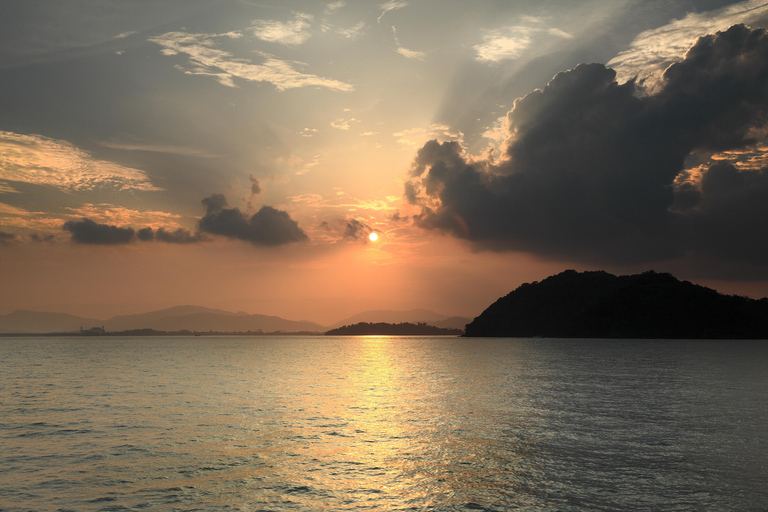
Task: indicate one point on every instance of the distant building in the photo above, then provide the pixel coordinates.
(93, 331)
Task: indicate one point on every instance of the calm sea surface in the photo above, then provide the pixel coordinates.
(382, 423)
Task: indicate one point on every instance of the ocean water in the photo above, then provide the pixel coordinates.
(382, 423)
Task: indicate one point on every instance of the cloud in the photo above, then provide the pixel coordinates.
(508, 43)
(357, 230)
(351, 33)
(42, 238)
(343, 124)
(591, 169)
(7, 238)
(405, 52)
(502, 44)
(86, 231)
(255, 185)
(411, 54)
(654, 50)
(290, 33)
(158, 148)
(5, 188)
(415, 137)
(332, 7)
(177, 236)
(207, 59)
(44, 161)
(391, 5)
(267, 227)
(348, 228)
(113, 214)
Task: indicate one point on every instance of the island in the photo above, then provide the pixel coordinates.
(601, 305)
(386, 329)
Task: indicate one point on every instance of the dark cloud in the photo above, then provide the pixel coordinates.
(214, 204)
(177, 236)
(357, 230)
(591, 168)
(86, 231)
(7, 238)
(348, 228)
(268, 226)
(729, 221)
(255, 185)
(40, 238)
(145, 234)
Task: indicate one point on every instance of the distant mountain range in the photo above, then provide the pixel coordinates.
(201, 319)
(602, 305)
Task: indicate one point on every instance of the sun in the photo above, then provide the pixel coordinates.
(373, 237)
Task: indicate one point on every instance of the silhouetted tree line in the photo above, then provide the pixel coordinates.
(386, 329)
(601, 305)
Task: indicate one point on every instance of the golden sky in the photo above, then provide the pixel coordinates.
(237, 155)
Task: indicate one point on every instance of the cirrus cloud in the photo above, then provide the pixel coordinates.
(206, 58)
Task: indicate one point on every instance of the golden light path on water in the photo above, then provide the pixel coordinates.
(381, 423)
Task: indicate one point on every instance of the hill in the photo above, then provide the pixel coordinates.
(178, 318)
(146, 320)
(601, 305)
(414, 316)
(385, 329)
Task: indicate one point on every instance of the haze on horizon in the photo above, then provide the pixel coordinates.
(237, 155)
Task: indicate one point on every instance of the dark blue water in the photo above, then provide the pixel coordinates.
(382, 424)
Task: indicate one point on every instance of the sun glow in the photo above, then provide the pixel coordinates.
(373, 237)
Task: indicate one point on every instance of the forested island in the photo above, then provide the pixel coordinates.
(386, 329)
(601, 305)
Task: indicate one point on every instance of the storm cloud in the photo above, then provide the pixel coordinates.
(595, 171)
(86, 231)
(267, 227)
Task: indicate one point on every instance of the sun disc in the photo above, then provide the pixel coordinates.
(373, 237)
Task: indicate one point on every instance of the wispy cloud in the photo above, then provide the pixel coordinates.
(291, 33)
(332, 7)
(405, 52)
(7, 189)
(207, 59)
(653, 50)
(411, 54)
(19, 218)
(43, 161)
(509, 43)
(351, 33)
(125, 34)
(391, 5)
(416, 137)
(559, 33)
(114, 214)
(157, 148)
(502, 44)
(343, 124)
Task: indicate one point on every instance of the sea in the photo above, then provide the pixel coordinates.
(382, 424)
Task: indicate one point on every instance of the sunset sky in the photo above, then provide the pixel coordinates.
(237, 154)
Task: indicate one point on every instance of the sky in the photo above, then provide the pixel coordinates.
(236, 154)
